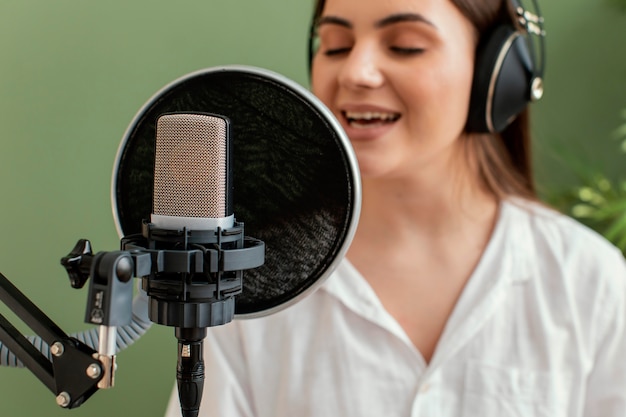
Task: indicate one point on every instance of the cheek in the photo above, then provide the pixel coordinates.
(459, 75)
(321, 85)
(443, 92)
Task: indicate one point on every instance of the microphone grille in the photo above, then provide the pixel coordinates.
(190, 167)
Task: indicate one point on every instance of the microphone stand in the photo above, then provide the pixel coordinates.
(191, 278)
(74, 370)
(72, 374)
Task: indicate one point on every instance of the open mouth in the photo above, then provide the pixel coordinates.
(369, 119)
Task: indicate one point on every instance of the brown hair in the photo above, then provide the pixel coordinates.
(504, 161)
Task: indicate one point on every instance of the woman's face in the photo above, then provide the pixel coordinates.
(398, 75)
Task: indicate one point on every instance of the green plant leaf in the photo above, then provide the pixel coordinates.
(597, 202)
(617, 229)
(610, 209)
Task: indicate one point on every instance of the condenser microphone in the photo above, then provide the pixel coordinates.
(192, 193)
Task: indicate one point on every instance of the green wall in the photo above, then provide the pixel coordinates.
(74, 73)
(585, 91)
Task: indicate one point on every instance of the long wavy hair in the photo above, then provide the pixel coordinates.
(504, 160)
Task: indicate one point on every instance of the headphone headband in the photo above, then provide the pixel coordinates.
(533, 26)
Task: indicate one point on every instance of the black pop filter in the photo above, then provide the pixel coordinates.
(297, 186)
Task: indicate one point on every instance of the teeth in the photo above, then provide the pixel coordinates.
(371, 116)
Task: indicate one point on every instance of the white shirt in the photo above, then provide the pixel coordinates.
(539, 331)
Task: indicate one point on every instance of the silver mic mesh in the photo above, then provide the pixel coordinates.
(190, 166)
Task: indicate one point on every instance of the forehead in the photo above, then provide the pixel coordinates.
(440, 14)
(368, 4)
(370, 11)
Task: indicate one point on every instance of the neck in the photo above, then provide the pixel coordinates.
(427, 207)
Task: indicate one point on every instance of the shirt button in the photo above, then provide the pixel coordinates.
(425, 387)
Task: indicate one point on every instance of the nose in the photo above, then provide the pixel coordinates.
(362, 68)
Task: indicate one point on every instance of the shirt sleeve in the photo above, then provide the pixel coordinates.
(606, 385)
(226, 392)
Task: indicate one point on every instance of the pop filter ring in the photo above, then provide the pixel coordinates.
(297, 184)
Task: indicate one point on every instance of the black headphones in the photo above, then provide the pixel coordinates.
(508, 71)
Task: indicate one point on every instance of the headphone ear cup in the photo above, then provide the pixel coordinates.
(502, 79)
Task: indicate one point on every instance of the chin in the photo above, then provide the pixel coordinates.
(373, 169)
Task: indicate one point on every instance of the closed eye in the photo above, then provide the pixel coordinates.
(407, 51)
(337, 51)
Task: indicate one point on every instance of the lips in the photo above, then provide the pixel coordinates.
(369, 119)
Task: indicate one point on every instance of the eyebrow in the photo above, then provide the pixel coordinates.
(403, 17)
(386, 21)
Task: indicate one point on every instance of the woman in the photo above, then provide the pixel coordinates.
(470, 298)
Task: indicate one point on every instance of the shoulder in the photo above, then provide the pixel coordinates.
(569, 258)
(292, 319)
(557, 235)
(326, 313)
